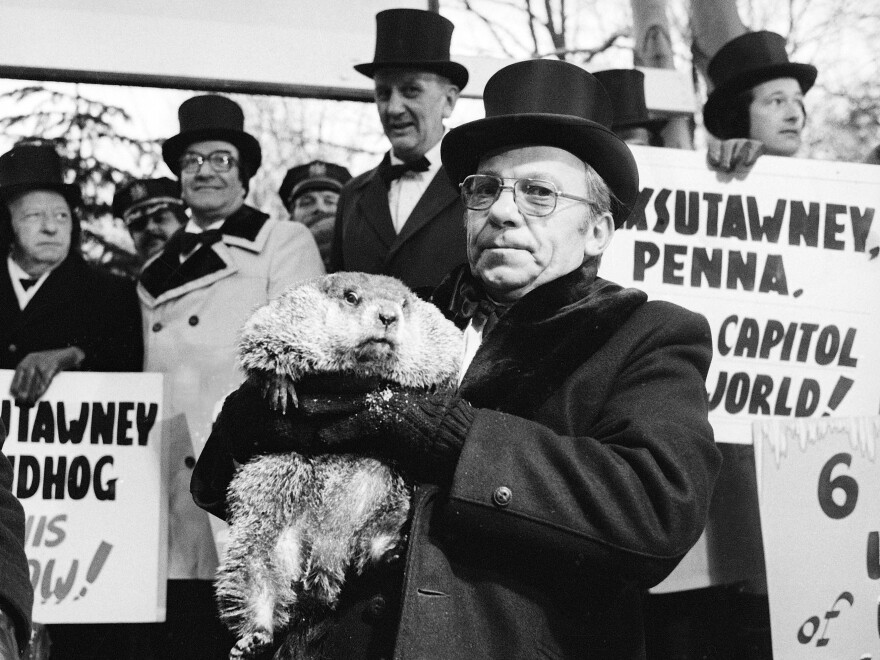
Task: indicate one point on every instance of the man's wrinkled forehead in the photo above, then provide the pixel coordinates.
(394, 77)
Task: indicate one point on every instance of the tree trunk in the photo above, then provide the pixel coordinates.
(653, 48)
(714, 23)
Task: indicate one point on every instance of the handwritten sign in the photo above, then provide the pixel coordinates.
(784, 264)
(819, 495)
(87, 465)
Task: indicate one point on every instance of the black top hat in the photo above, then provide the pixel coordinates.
(552, 103)
(414, 39)
(145, 196)
(626, 87)
(28, 167)
(317, 175)
(212, 117)
(744, 62)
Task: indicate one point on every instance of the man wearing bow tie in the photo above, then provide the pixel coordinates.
(404, 217)
(195, 295)
(59, 313)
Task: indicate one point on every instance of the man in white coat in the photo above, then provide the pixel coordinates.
(195, 296)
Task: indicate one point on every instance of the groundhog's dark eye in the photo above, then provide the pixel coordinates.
(351, 298)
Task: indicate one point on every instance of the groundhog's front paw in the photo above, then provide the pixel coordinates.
(251, 645)
(278, 390)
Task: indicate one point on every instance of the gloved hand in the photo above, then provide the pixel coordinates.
(729, 155)
(248, 425)
(35, 372)
(422, 433)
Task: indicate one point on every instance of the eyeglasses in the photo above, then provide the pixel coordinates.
(220, 161)
(534, 197)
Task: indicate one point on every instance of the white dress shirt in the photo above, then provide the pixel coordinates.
(16, 274)
(404, 193)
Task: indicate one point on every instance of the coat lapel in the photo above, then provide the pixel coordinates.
(166, 277)
(373, 208)
(543, 338)
(439, 194)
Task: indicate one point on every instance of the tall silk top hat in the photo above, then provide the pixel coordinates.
(626, 87)
(212, 117)
(414, 39)
(547, 103)
(744, 62)
(28, 167)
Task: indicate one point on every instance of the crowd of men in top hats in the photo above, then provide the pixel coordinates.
(562, 483)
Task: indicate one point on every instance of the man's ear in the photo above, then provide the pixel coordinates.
(599, 234)
(450, 96)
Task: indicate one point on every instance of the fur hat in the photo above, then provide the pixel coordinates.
(552, 103)
(414, 39)
(744, 62)
(626, 87)
(212, 117)
(317, 175)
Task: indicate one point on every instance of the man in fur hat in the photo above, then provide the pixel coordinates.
(403, 218)
(573, 468)
(195, 295)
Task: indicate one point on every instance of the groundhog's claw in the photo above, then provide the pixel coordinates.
(277, 391)
(250, 645)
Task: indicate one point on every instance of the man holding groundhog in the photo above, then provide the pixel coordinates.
(573, 468)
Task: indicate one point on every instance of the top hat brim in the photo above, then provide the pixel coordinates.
(463, 148)
(653, 125)
(457, 73)
(720, 97)
(70, 192)
(248, 146)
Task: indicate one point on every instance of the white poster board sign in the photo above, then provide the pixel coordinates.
(819, 494)
(87, 466)
(783, 261)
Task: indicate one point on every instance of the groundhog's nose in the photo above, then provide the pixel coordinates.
(387, 318)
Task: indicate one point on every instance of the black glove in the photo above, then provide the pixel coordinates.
(248, 426)
(422, 433)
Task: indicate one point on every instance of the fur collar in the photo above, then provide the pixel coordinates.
(541, 339)
(166, 272)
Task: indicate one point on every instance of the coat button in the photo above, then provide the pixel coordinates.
(502, 496)
(377, 606)
(193, 320)
(157, 326)
(189, 462)
(13, 348)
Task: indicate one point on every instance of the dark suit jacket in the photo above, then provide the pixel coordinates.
(431, 243)
(77, 305)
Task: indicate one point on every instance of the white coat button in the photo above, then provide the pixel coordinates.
(502, 496)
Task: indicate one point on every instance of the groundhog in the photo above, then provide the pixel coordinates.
(297, 523)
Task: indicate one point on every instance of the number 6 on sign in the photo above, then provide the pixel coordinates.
(843, 482)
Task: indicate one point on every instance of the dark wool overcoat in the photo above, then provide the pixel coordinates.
(584, 479)
(431, 243)
(78, 305)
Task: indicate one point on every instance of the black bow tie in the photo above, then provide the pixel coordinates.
(390, 172)
(190, 241)
(471, 302)
(27, 283)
